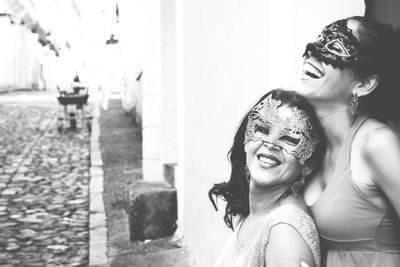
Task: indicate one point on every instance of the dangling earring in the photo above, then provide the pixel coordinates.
(296, 186)
(353, 103)
(247, 173)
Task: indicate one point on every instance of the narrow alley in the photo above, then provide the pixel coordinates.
(157, 90)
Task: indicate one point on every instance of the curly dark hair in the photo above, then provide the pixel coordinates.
(236, 191)
(380, 44)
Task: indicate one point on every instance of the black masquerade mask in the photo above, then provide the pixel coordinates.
(336, 45)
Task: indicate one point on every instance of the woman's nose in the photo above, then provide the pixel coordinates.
(307, 54)
(271, 145)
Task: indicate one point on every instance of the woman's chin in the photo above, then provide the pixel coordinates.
(264, 181)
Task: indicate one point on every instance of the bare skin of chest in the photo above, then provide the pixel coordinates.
(360, 172)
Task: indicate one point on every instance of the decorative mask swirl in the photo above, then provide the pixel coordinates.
(264, 124)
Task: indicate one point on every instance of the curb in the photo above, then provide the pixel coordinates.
(97, 217)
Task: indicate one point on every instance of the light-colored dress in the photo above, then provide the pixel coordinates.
(233, 255)
(353, 231)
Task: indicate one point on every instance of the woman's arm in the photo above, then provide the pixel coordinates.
(381, 151)
(287, 248)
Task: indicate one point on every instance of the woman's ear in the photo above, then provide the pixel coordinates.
(367, 85)
(245, 147)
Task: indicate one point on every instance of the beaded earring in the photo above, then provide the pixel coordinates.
(296, 186)
(353, 104)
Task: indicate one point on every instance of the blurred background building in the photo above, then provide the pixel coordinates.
(186, 71)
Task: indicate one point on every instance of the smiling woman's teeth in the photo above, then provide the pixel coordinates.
(268, 161)
(311, 71)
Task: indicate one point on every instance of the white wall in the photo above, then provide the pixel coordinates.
(22, 57)
(133, 43)
(24, 62)
(231, 52)
(169, 87)
(152, 93)
(224, 62)
(159, 97)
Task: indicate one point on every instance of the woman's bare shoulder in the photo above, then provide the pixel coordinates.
(287, 247)
(380, 149)
(379, 138)
(375, 135)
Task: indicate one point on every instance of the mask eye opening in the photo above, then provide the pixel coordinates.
(290, 140)
(263, 129)
(336, 47)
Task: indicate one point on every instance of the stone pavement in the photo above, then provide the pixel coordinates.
(44, 185)
(52, 211)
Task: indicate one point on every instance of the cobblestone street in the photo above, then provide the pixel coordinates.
(44, 185)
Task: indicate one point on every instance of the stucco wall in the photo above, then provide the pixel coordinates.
(233, 51)
(169, 133)
(23, 61)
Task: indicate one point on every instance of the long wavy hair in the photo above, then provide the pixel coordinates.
(236, 191)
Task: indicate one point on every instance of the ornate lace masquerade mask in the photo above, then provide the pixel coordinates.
(336, 45)
(294, 134)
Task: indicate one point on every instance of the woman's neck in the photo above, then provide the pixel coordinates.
(335, 121)
(261, 201)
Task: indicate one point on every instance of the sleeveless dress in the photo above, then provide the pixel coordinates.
(233, 255)
(353, 231)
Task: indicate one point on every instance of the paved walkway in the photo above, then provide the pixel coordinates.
(121, 148)
(44, 185)
(56, 189)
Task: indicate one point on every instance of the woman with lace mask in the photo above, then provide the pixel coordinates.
(351, 77)
(277, 146)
